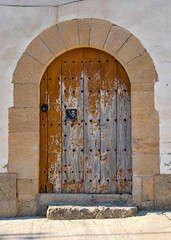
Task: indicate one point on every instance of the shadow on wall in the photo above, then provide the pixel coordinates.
(50, 235)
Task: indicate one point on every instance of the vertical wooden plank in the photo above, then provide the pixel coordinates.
(108, 123)
(43, 134)
(72, 130)
(124, 159)
(54, 126)
(91, 120)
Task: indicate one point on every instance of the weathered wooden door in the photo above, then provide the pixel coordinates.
(85, 125)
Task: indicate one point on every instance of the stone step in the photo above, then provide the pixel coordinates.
(85, 211)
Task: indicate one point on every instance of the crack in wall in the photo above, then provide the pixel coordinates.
(139, 55)
(123, 43)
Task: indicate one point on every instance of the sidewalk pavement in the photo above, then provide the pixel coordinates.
(146, 226)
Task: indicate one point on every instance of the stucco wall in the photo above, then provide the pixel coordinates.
(148, 20)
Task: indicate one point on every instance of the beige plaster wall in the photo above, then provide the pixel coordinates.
(147, 20)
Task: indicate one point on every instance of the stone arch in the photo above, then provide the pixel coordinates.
(24, 115)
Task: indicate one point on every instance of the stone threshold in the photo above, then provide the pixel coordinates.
(72, 211)
(47, 199)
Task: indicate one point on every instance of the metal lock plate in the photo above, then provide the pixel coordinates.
(71, 114)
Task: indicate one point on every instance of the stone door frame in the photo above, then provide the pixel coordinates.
(24, 115)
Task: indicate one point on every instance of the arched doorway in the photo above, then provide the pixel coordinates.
(85, 124)
(24, 156)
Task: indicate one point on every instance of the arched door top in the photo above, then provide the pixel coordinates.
(95, 33)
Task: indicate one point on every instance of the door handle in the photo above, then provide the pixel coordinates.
(44, 107)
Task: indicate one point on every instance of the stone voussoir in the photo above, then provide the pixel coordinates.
(52, 38)
(98, 32)
(141, 69)
(89, 212)
(84, 30)
(69, 33)
(38, 50)
(28, 70)
(116, 38)
(127, 52)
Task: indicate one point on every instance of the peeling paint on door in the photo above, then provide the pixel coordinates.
(89, 152)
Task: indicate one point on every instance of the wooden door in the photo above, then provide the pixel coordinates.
(85, 125)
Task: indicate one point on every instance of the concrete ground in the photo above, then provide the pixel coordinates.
(146, 226)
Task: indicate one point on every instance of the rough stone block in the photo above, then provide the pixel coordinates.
(145, 131)
(27, 205)
(142, 87)
(24, 154)
(8, 195)
(99, 30)
(116, 38)
(28, 70)
(40, 51)
(84, 31)
(27, 187)
(26, 95)
(23, 119)
(130, 50)
(163, 192)
(141, 69)
(87, 212)
(142, 100)
(137, 189)
(53, 40)
(148, 192)
(148, 188)
(145, 164)
(145, 145)
(69, 32)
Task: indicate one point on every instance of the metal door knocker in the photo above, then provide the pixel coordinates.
(44, 107)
